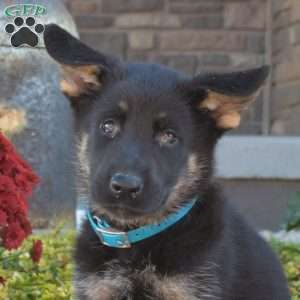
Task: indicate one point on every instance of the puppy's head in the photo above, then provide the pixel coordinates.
(147, 132)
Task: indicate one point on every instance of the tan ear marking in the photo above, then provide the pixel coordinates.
(226, 110)
(79, 80)
(69, 88)
(210, 104)
(230, 120)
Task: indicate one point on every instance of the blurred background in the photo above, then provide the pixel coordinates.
(258, 164)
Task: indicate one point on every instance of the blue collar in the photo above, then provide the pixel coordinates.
(118, 239)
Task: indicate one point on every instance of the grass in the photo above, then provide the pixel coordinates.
(52, 277)
(289, 255)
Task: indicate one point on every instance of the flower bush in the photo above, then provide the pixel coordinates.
(30, 276)
(16, 183)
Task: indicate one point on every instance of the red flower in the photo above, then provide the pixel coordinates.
(13, 236)
(3, 218)
(5, 146)
(2, 281)
(36, 251)
(16, 183)
(7, 184)
(10, 202)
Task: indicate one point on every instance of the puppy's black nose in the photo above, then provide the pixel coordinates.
(126, 184)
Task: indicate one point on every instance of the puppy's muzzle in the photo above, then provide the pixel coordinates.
(126, 185)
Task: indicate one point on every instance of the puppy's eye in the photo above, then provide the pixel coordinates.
(168, 137)
(110, 128)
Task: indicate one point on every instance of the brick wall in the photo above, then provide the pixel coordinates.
(191, 35)
(286, 64)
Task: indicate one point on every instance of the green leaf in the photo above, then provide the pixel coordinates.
(292, 217)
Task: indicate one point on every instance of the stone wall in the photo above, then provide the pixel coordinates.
(286, 64)
(191, 35)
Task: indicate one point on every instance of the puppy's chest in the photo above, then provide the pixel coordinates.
(119, 283)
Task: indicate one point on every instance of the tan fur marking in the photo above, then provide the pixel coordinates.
(103, 289)
(116, 283)
(79, 80)
(109, 285)
(96, 288)
(202, 284)
(226, 110)
(83, 168)
(192, 165)
(175, 289)
(230, 120)
(69, 88)
(187, 178)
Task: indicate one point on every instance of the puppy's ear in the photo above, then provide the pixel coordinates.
(83, 68)
(226, 95)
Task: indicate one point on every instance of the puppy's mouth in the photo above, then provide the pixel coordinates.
(128, 211)
(127, 216)
(124, 214)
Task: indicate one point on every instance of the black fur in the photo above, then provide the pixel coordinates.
(83, 55)
(163, 136)
(243, 83)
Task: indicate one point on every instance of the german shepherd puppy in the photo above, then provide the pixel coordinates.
(147, 138)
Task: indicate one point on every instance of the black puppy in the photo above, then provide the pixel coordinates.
(158, 227)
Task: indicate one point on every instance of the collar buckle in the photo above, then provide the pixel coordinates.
(106, 234)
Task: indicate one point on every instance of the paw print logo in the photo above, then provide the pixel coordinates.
(24, 32)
